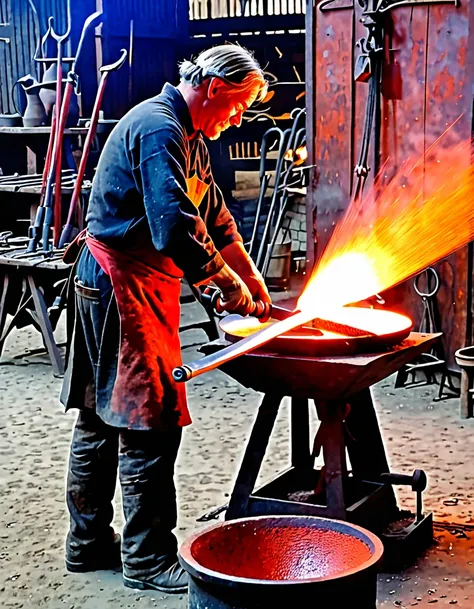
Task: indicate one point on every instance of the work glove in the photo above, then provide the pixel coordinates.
(236, 296)
(236, 257)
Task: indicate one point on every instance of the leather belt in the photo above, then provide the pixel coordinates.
(86, 292)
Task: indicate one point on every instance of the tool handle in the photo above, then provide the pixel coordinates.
(261, 310)
(417, 480)
(48, 217)
(35, 230)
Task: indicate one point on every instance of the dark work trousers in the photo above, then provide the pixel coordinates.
(146, 469)
(145, 460)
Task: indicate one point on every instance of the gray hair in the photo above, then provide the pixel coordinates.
(229, 62)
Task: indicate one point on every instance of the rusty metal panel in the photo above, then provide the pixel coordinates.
(431, 55)
(333, 104)
(449, 95)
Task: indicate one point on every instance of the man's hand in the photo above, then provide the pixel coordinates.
(238, 259)
(236, 296)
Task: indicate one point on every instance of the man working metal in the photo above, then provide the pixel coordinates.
(155, 215)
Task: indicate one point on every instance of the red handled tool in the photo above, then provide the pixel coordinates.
(52, 169)
(69, 229)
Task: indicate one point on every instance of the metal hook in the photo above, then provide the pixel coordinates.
(434, 291)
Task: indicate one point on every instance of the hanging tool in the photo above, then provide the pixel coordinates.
(283, 207)
(69, 230)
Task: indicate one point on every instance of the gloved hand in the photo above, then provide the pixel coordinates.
(237, 257)
(236, 296)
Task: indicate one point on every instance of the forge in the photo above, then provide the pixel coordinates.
(317, 363)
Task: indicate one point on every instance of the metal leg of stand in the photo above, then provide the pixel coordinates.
(3, 308)
(46, 330)
(300, 449)
(330, 415)
(253, 456)
(466, 402)
(364, 439)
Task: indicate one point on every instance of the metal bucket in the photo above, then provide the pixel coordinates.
(278, 274)
(282, 562)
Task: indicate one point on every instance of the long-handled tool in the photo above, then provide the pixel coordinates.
(72, 82)
(44, 212)
(60, 40)
(274, 201)
(52, 154)
(34, 230)
(258, 339)
(68, 231)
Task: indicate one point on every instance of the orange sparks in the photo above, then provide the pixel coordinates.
(424, 214)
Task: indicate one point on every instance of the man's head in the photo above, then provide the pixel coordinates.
(219, 86)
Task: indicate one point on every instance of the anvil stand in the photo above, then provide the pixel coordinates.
(340, 387)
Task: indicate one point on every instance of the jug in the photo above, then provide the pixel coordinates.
(35, 113)
(48, 94)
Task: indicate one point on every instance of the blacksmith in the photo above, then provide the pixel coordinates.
(155, 216)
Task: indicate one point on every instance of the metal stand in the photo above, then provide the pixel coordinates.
(363, 496)
(340, 387)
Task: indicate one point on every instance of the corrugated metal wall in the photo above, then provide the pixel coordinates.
(15, 59)
(23, 22)
(156, 32)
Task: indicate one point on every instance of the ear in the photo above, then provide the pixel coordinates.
(215, 86)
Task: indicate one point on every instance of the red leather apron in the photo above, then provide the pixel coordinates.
(146, 286)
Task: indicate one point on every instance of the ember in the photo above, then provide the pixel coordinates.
(424, 214)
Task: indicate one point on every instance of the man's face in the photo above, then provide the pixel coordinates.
(224, 107)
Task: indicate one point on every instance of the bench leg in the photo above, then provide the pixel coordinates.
(46, 329)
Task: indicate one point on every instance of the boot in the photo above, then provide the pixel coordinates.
(95, 557)
(171, 578)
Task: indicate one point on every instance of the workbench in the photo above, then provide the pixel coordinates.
(36, 276)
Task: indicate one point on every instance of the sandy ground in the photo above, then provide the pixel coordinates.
(34, 441)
